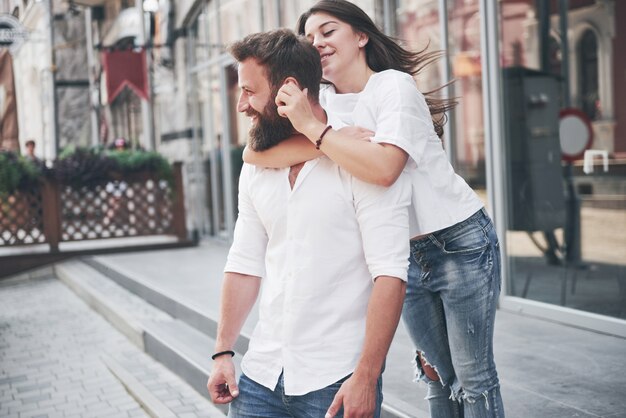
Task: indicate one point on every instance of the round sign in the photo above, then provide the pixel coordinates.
(575, 133)
(12, 33)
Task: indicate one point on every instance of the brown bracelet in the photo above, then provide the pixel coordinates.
(221, 353)
(319, 141)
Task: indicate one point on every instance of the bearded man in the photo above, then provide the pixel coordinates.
(328, 250)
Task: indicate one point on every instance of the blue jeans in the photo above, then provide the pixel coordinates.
(257, 401)
(449, 311)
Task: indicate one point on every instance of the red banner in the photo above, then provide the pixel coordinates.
(125, 69)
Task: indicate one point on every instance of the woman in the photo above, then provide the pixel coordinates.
(454, 272)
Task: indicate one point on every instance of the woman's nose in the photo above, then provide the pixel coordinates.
(318, 41)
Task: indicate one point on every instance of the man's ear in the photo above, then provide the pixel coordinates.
(292, 80)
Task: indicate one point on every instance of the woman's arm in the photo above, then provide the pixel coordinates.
(376, 163)
(294, 150)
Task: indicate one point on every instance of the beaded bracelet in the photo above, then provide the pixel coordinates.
(319, 141)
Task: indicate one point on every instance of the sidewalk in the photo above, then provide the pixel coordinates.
(546, 369)
(58, 358)
(55, 353)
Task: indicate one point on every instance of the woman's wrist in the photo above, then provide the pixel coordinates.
(314, 130)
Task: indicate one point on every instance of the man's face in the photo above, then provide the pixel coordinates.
(257, 102)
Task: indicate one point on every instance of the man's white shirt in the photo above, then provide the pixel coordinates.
(317, 248)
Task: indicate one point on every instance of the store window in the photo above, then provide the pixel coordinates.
(562, 247)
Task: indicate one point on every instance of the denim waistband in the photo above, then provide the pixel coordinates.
(481, 217)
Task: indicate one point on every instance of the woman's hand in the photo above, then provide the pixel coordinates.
(293, 103)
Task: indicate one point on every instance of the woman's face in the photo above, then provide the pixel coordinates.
(340, 47)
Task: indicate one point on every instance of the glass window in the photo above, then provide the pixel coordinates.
(562, 244)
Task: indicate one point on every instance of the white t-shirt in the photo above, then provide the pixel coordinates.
(392, 107)
(317, 248)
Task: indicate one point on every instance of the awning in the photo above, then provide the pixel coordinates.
(126, 25)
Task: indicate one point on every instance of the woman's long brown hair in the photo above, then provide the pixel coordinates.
(384, 53)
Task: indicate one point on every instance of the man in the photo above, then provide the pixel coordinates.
(30, 151)
(331, 252)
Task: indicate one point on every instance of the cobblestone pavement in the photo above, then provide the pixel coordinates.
(51, 360)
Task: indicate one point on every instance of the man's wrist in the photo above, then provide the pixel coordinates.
(367, 373)
(223, 353)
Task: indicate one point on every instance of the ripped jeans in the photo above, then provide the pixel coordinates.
(449, 312)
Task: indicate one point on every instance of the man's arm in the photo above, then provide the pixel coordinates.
(382, 214)
(358, 393)
(239, 292)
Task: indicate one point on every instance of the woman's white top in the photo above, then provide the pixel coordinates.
(392, 107)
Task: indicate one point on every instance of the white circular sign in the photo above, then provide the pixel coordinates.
(12, 33)
(575, 133)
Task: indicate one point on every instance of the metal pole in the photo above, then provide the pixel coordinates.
(543, 8)
(492, 122)
(197, 179)
(572, 231)
(277, 14)
(146, 108)
(448, 134)
(386, 17)
(564, 27)
(53, 71)
(261, 11)
(93, 111)
(227, 172)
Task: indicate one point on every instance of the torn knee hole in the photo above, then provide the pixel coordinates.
(428, 370)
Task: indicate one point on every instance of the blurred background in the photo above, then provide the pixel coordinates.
(539, 131)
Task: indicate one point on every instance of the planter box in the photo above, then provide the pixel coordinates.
(131, 205)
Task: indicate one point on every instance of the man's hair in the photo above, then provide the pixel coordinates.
(283, 54)
(30, 142)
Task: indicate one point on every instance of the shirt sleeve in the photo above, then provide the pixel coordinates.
(402, 115)
(247, 253)
(382, 214)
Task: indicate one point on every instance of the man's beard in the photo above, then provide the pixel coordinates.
(270, 127)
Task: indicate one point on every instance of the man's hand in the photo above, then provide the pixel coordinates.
(222, 384)
(358, 397)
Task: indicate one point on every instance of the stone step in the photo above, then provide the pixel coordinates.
(172, 330)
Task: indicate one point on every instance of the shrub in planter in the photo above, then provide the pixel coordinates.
(17, 173)
(82, 167)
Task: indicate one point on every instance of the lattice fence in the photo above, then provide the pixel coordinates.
(21, 218)
(137, 205)
(116, 209)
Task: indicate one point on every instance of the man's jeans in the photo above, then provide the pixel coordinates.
(257, 401)
(449, 311)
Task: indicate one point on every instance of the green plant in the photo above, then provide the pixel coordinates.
(82, 167)
(17, 173)
(86, 167)
(129, 161)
